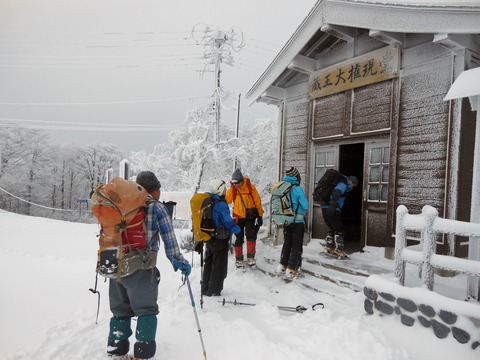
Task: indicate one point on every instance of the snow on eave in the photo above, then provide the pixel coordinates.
(467, 84)
(449, 16)
(421, 3)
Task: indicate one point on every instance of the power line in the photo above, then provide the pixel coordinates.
(31, 203)
(80, 123)
(105, 102)
(89, 128)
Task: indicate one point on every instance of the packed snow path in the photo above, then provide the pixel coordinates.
(49, 313)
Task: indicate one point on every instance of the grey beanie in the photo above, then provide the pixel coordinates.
(148, 180)
(237, 176)
(354, 180)
(292, 171)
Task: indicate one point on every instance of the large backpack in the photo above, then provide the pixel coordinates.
(119, 207)
(326, 184)
(203, 226)
(282, 210)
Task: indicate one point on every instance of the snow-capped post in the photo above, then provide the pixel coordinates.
(400, 241)
(429, 245)
(123, 171)
(466, 85)
(108, 175)
(474, 243)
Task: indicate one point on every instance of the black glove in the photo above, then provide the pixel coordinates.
(331, 209)
(259, 221)
(199, 247)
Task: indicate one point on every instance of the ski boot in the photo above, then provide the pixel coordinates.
(280, 270)
(291, 273)
(251, 261)
(240, 264)
(339, 246)
(330, 243)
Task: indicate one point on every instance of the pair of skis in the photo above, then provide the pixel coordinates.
(298, 309)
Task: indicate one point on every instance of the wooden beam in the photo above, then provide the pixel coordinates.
(458, 41)
(342, 32)
(274, 93)
(303, 64)
(389, 38)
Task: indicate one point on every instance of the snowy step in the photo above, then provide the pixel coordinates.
(312, 270)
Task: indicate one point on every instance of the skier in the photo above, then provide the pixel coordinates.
(247, 212)
(136, 294)
(291, 255)
(216, 254)
(331, 212)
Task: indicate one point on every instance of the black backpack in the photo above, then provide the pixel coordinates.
(326, 184)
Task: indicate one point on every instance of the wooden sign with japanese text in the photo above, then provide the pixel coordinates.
(376, 66)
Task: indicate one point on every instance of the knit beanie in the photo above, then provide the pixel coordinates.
(217, 187)
(292, 171)
(148, 180)
(237, 176)
(354, 180)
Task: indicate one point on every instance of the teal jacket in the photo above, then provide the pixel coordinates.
(299, 200)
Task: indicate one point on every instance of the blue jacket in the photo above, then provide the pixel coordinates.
(299, 200)
(339, 193)
(221, 215)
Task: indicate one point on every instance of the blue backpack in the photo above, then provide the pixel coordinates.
(282, 210)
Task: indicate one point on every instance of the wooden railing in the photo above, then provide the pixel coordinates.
(430, 225)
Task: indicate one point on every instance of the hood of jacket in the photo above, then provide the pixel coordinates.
(291, 179)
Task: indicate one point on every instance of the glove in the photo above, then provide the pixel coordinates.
(199, 247)
(183, 266)
(331, 209)
(259, 221)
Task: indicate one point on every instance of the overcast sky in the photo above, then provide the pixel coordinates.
(92, 63)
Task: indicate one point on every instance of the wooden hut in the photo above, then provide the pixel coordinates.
(360, 86)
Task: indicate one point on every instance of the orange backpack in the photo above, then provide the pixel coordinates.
(119, 207)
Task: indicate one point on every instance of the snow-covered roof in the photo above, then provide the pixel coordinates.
(423, 2)
(467, 84)
(442, 17)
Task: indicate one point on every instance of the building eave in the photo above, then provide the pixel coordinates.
(377, 17)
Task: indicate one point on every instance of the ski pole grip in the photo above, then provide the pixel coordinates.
(318, 304)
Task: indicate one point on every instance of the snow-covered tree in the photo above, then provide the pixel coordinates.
(191, 158)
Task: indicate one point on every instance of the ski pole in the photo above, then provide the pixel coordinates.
(299, 308)
(95, 291)
(235, 302)
(196, 317)
(201, 277)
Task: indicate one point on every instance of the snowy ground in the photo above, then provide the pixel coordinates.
(47, 311)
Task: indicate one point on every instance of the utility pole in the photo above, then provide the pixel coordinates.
(219, 42)
(218, 50)
(237, 126)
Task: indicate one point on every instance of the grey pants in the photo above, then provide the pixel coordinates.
(135, 294)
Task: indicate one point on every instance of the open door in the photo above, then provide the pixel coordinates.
(375, 190)
(349, 160)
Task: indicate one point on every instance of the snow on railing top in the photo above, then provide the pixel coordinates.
(446, 226)
(429, 225)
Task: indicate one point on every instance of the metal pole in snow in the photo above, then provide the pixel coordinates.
(196, 317)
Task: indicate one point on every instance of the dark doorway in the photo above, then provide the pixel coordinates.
(351, 160)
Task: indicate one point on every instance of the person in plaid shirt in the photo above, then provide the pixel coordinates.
(137, 293)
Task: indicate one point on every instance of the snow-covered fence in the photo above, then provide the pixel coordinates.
(429, 225)
(444, 316)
